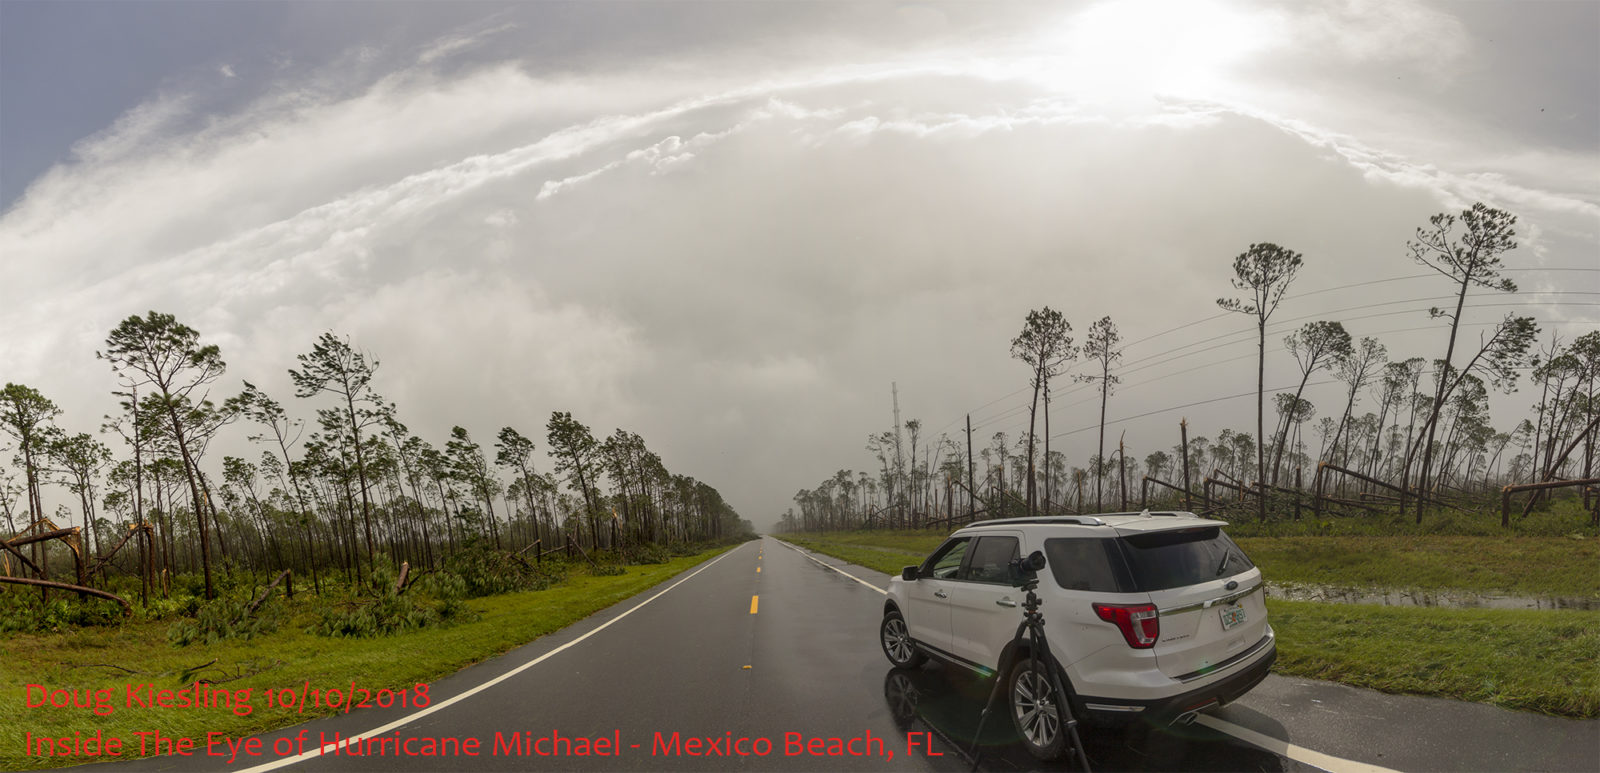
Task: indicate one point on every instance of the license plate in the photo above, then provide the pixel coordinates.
(1232, 616)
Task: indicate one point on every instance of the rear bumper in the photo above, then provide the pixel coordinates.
(1217, 693)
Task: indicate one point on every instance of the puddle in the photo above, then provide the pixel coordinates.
(1450, 599)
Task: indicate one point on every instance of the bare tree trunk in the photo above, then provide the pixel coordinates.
(1439, 394)
(1261, 387)
(1183, 432)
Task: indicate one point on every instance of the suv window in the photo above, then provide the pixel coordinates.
(946, 561)
(991, 559)
(1172, 559)
(1086, 563)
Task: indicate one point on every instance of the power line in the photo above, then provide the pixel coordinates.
(1017, 411)
(1180, 407)
(1128, 370)
(1279, 326)
(1367, 283)
(1249, 355)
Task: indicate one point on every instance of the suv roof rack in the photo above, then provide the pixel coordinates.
(1081, 520)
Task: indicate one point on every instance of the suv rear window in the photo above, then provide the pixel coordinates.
(1179, 557)
(1090, 564)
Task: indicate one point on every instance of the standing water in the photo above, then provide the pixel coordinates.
(1450, 599)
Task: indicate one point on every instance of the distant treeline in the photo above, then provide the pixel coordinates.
(355, 488)
(1423, 441)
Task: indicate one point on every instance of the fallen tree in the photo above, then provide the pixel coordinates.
(127, 609)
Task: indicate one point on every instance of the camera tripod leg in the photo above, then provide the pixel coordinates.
(988, 706)
(1037, 643)
(1069, 723)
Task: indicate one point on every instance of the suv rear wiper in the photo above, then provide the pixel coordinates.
(1226, 554)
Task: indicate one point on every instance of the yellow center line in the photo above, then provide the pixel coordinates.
(758, 570)
(754, 601)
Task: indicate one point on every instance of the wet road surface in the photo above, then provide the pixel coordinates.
(730, 668)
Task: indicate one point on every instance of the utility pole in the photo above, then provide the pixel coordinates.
(1122, 470)
(1047, 448)
(1183, 431)
(972, 482)
(899, 458)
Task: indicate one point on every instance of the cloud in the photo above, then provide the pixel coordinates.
(458, 42)
(720, 258)
(138, 130)
(1389, 31)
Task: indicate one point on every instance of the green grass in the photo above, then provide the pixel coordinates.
(917, 543)
(287, 658)
(1533, 566)
(1537, 660)
(1561, 517)
(883, 551)
(1536, 566)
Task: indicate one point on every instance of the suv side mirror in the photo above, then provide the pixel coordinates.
(909, 574)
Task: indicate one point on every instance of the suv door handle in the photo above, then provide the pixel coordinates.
(940, 594)
(1005, 602)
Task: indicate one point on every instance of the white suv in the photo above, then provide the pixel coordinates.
(1156, 615)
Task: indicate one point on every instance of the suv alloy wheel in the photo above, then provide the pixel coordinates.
(1035, 710)
(897, 644)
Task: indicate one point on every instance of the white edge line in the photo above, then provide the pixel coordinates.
(1300, 754)
(797, 549)
(441, 705)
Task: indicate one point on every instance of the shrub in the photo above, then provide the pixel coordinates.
(450, 591)
(385, 615)
(486, 572)
(391, 613)
(20, 611)
(649, 554)
(226, 618)
(188, 585)
(161, 609)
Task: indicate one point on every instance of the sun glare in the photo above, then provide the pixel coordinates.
(1134, 49)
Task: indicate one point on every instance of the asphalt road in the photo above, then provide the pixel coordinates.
(766, 651)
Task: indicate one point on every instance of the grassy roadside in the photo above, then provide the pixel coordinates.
(1538, 660)
(1534, 566)
(888, 562)
(285, 659)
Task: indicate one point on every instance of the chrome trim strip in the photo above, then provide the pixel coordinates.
(1226, 664)
(1207, 604)
(983, 671)
(1110, 707)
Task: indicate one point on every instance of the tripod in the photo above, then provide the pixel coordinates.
(1051, 712)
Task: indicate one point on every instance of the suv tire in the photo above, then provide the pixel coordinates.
(1035, 709)
(896, 641)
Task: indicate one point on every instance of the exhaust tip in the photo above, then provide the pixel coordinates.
(1188, 716)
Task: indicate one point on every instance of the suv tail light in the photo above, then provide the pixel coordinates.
(1138, 622)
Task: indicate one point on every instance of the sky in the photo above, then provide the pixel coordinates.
(736, 227)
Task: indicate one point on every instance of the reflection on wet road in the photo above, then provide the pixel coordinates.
(947, 702)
